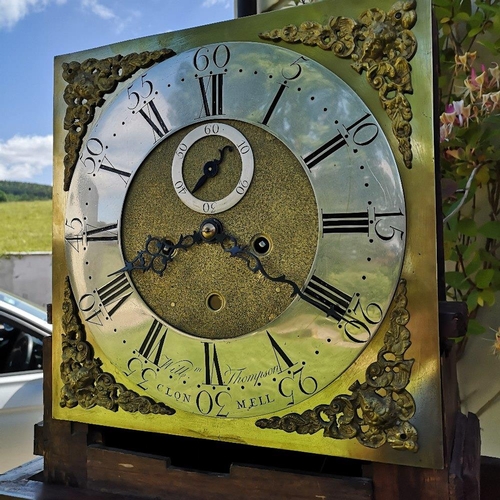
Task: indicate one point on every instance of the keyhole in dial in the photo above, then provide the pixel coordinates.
(215, 301)
(261, 245)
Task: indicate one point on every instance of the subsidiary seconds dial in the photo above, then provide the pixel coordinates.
(209, 168)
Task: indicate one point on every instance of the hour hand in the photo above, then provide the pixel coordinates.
(159, 252)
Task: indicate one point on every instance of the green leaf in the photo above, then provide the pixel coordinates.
(489, 45)
(474, 31)
(486, 256)
(470, 252)
(442, 3)
(467, 227)
(472, 300)
(484, 277)
(488, 296)
(490, 229)
(475, 328)
(455, 279)
(462, 16)
(474, 265)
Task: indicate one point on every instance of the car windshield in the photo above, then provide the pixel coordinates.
(25, 306)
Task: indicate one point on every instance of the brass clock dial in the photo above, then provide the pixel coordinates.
(235, 229)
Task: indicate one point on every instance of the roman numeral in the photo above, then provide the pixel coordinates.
(105, 301)
(362, 134)
(154, 119)
(109, 167)
(83, 235)
(212, 366)
(152, 346)
(274, 103)
(104, 233)
(211, 88)
(332, 301)
(115, 293)
(327, 149)
(280, 354)
(371, 223)
(354, 222)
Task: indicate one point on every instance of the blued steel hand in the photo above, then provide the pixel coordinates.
(159, 252)
(211, 169)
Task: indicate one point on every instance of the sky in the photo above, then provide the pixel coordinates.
(33, 32)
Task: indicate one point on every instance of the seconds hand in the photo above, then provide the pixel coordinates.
(211, 169)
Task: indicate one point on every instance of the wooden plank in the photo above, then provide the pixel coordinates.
(457, 457)
(396, 482)
(472, 459)
(152, 476)
(452, 325)
(19, 484)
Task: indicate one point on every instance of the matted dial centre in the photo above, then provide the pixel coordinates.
(277, 220)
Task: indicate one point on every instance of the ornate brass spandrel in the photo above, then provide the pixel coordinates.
(381, 45)
(378, 410)
(85, 383)
(88, 83)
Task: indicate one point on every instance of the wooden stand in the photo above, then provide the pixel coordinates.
(84, 461)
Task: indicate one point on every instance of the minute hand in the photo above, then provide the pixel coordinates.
(230, 245)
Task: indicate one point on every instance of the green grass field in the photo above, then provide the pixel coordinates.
(26, 226)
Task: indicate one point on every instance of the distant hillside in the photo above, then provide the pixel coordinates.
(24, 191)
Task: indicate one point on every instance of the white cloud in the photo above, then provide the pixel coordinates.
(22, 158)
(12, 11)
(99, 9)
(211, 3)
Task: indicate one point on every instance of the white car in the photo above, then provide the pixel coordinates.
(23, 327)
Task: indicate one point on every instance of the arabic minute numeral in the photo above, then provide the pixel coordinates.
(213, 404)
(142, 376)
(208, 57)
(297, 380)
(136, 96)
(95, 160)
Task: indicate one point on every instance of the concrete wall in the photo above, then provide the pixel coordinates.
(28, 275)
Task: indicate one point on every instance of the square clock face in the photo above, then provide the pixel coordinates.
(245, 234)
